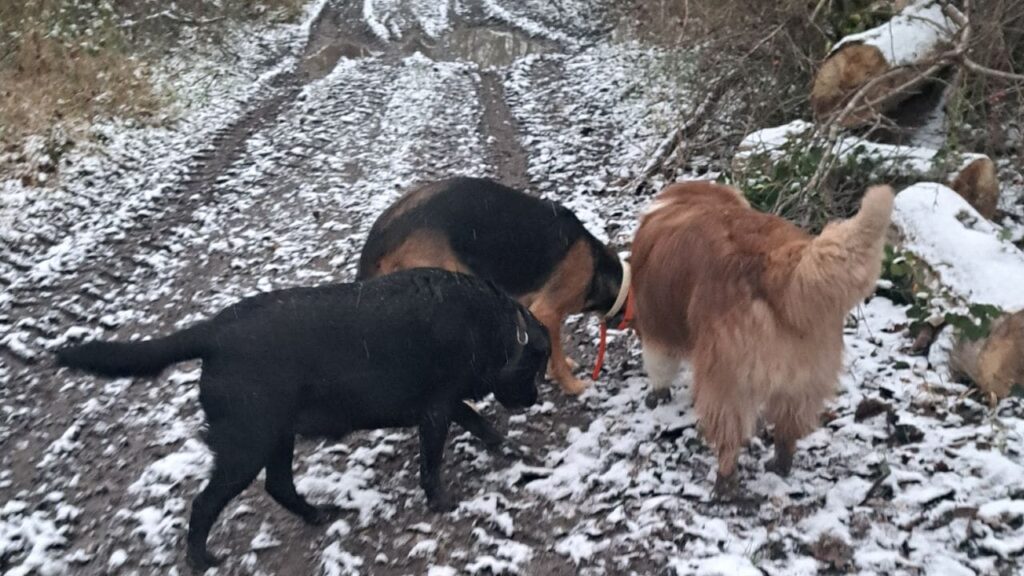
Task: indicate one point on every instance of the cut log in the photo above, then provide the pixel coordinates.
(978, 183)
(994, 363)
(972, 265)
(899, 50)
(964, 250)
(973, 176)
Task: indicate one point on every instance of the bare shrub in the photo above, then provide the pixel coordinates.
(62, 61)
(768, 52)
(987, 114)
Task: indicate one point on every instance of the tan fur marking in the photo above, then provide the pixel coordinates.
(421, 249)
(410, 200)
(561, 295)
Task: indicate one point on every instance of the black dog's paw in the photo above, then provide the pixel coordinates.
(655, 397)
(201, 561)
(441, 503)
(322, 515)
(493, 440)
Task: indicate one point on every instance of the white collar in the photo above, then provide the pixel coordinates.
(627, 277)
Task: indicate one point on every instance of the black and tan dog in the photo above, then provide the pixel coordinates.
(535, 250)
(403, 350)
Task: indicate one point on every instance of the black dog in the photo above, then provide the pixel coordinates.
(402, 350)
(535, 250)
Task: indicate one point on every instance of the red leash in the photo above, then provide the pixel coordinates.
(602, 347)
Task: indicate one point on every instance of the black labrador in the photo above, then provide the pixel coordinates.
(402, 350)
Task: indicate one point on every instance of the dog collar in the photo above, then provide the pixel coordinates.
(624, 287)
(625, 298)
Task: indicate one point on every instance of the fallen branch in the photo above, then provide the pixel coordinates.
(985, 70)
(190, 21)
(676, 138)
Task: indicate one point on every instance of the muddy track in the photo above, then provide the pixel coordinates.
(507, 153)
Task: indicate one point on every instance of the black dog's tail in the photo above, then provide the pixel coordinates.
(145, 358)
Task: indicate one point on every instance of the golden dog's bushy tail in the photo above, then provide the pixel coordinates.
(840, 267)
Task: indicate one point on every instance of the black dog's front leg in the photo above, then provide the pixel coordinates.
(433, 435)
(466, 416)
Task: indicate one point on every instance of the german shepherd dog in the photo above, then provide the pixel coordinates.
(404, 350)
(535, 250)
(756, 304)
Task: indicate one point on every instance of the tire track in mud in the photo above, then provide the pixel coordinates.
(507, 155)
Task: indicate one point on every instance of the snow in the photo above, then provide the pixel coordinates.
(487, 507)
(909, 160)
(1001, 511)
(717, 566)
(423, 549)
(337, 562)
(390, 20)
(37, 537)
(193, 460)
(909, 36)
(963, 248)
(499, 12)
(579, 547)
(117, 559)
(264, 539)
(353, 489)
(370, 17)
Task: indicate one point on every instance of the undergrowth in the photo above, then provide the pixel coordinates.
(771, 49)
(903, 282)
(64, 62)
(780, 181)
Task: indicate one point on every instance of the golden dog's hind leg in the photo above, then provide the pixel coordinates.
(728, 416)
(792, 418)
(662, 369)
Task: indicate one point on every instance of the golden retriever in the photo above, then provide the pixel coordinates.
(757, 306)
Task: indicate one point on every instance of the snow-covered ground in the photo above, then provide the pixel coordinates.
(908, 475)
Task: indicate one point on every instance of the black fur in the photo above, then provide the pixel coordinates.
(401, 350)
(501, 234)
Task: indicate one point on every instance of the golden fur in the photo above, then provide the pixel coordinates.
(755, 303)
